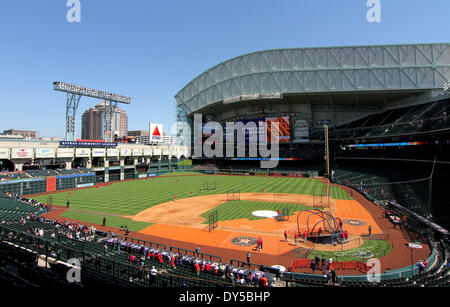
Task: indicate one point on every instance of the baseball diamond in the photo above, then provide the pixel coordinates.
(294, 166)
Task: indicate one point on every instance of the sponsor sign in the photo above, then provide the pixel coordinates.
(87, 144)
(98, 152)
(112, 152)
(137, 152)
(323, 122)
(283, 126)
(4, 153)
(156, 133)
(125, 152)
(22, 153)
(301, 130)
(22, 181)
(75, 176)
(45, 152)
(85, 185)
(414, 245)
(142, 175)
(83, 153)
(152, 175)
(250, 129)
(65, 153)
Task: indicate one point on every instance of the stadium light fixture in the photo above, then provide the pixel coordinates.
(84, 91)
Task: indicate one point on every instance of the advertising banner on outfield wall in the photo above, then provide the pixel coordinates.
(65, 152)
(4, 153)
(98, 152)
(83, 153)
(137, 152)
(45, 153)
(112, 152)
(85, 185)
(22, 153)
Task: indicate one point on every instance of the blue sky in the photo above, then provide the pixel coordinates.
(149, 49)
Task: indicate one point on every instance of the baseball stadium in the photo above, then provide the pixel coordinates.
(357, 197)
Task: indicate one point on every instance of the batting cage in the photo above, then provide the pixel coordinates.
(209, 185)
(321, 201)
(213, 220)
(233, 195)
(283, 216)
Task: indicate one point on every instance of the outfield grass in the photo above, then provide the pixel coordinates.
(132, 197)
(180, 174)
(242, 209)
(111, 221)
(378, 248)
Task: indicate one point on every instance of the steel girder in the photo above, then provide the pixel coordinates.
(320, 70)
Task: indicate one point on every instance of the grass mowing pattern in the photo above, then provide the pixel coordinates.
(111, 221)
(240, 209)
(379, 248)
(132, 197)
(178, 174)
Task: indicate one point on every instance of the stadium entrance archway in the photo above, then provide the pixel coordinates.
(7, 165)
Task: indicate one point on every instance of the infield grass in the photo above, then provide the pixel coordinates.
(240, 209)
(377, 249)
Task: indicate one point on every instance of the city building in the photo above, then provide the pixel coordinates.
(26, 134)
(93, 121)
(142, 136)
